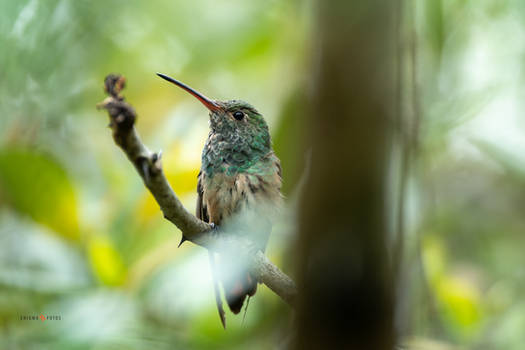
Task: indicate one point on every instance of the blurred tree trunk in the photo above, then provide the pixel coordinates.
(345, 280)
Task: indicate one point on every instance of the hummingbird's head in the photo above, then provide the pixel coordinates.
(236, 121)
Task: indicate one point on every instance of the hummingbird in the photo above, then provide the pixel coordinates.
(239, 190)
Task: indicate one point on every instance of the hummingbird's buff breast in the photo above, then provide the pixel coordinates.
(258, 188)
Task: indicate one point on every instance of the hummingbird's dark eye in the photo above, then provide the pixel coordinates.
(238, 115)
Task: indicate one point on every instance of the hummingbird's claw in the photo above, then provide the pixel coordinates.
(214, 229)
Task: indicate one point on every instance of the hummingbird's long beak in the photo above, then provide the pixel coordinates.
(208, 103)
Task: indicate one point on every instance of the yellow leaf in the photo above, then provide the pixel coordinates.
(106, 261)
(460, 301)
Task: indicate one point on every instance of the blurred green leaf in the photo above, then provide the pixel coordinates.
(37, 185)
(435, 28)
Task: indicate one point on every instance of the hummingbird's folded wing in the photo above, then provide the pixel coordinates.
(202, 214)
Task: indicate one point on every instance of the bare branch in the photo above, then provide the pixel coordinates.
(149, 166)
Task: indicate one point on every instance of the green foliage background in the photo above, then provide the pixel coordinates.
(81, 238)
